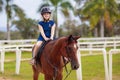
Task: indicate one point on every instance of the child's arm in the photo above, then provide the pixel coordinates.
(52, 32)
(42, 33)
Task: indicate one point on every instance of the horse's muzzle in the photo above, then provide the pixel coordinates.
(75, 67)
(74, 64)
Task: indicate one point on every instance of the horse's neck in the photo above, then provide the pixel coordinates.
(55, 52)
(57, 46)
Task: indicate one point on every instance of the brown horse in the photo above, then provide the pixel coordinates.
(51, 58)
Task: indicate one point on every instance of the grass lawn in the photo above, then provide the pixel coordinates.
(92, 68)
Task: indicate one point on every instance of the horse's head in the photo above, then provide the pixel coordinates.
(69, 50)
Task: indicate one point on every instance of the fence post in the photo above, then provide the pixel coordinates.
(105, 65)
(110, 64)
(115, 44)
(2, 60)
(105, 45)
(79, 70)
(90, 46)
(110, 61)
(18, 59)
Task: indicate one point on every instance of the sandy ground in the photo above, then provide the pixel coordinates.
(3, 78)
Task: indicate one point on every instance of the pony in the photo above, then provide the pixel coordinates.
(51, 58)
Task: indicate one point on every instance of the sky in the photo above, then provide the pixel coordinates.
(30, 7)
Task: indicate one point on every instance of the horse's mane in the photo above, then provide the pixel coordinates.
(57, 42)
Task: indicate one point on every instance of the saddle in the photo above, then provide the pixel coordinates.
(39, 53)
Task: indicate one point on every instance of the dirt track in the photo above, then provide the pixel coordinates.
(3, 78)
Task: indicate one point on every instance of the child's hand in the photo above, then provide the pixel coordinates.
(51, 38)
(46, 39)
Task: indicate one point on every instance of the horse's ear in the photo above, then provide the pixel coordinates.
(70, 38)
(76, 37)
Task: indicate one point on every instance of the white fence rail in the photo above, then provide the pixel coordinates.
(17, 42)
(16, 48)
(18, 58)
(99, 42)
(79, 71)
(85, 44)
(111, 52)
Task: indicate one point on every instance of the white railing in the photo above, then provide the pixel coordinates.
(100, 39)
(17, 42)
(99, 42)
(83, 42)
(111, 52)
(79, 71)
(16, 48)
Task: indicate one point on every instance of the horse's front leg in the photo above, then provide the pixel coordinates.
(48, 77)
(35, 73)
(59, 76)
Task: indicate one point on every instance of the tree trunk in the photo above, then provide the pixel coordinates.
(8, 19)
(102, 27)
(96, 32)
(56, 19)
(8, 29)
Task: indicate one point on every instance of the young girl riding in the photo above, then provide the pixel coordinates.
(47, 30)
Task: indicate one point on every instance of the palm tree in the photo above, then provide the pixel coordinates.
(1, 3)
(59, 5)
(104, 12)
(29, 30)
(12, 11)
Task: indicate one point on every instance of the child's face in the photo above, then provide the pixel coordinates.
(46, 16)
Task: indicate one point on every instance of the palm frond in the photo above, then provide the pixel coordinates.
(55, 2)
(18, 11)
(98, 12)
(88, 7)
(112, 8)
(94, 21)
(65, 11)
(93, 5)
(67, 5)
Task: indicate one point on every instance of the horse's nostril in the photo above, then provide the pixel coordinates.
(75, 67)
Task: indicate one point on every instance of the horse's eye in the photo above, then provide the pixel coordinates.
(69, 48)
